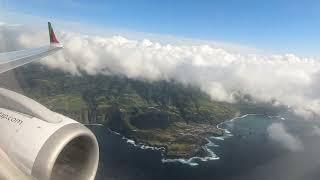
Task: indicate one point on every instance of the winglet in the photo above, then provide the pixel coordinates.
(53, 38)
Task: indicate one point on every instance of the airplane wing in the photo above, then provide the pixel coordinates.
(14, 59)
(35, 142)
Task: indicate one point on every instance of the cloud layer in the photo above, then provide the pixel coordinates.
(286, 78)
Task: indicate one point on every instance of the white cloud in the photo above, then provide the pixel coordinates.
(291, 80)
(278, 133)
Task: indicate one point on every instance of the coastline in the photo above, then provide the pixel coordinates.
(192, 161)
(212, 155)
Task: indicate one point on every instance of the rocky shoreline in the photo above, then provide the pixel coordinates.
(191, 138)
(180, 140)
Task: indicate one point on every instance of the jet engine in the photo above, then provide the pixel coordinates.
(43, 144)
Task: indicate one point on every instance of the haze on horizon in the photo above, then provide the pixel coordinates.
(273, 26)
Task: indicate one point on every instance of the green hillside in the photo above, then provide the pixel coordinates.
(163, 113)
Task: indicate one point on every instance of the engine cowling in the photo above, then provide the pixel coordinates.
(63, 149)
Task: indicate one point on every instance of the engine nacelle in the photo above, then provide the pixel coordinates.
(64, 149)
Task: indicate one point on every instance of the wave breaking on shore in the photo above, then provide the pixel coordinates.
(193, 161)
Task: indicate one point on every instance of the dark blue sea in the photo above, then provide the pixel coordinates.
(256, 147)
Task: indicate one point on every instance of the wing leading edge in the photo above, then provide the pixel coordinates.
(14, 59)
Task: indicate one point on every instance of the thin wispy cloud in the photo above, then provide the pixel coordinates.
(279, 134)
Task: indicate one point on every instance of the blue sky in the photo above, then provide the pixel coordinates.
(272, 25)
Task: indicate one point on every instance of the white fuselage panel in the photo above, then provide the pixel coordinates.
(22, 136)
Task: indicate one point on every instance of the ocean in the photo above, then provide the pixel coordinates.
(253, 147)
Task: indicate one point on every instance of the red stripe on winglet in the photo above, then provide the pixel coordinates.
(53, 38)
